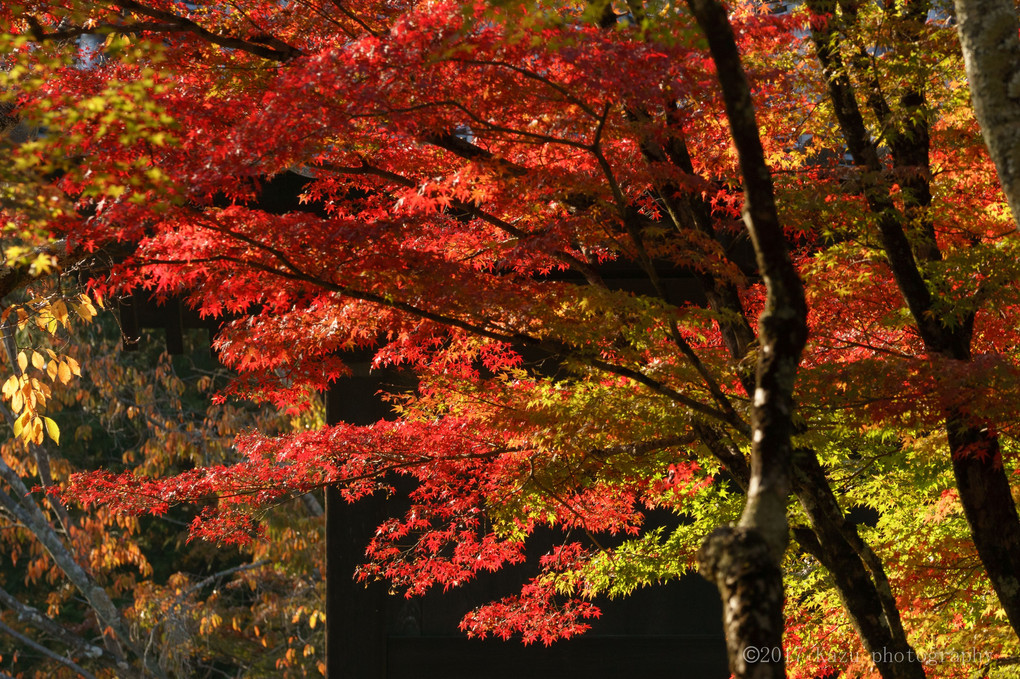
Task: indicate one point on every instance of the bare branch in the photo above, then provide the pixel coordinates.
(45, 651)
(47, 626)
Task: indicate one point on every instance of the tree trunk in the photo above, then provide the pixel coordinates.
(864, 591)
(744, 562)
(989, 508)
(988, 32)
(991, 53)
(740, 563)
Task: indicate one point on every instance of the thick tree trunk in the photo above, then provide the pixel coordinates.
(988, 32)
(989, 508)
(857, 572)
(744, 562)
(740, 563)
(991, 53)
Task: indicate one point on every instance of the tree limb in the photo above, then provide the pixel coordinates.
(33, 519)
(39, 648)
(280, 51)
(47, 626)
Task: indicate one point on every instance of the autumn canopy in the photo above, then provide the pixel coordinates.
(750, 265)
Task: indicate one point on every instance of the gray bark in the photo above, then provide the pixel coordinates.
(988, 32)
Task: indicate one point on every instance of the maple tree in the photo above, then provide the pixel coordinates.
(476, 173)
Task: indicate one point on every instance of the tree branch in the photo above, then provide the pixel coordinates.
(552, 347)
(282, 52)
(44, 624)
(898, 250)
(34, 520)
(67, 662)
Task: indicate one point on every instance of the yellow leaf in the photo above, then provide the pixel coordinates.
(59, 311)
(37, 430)
(18, 402)
(38, 361)
(19, 424)
(51, 370)
(87, 305)
(10, 386)
(23, 361)
(73, 365)
(13, 253)
(52, 429)
(86, 312)
(64, 373)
